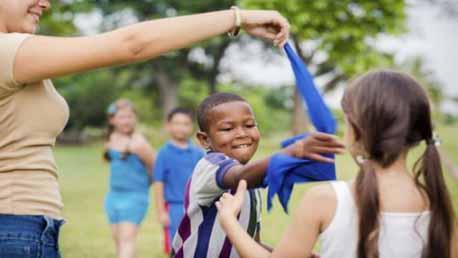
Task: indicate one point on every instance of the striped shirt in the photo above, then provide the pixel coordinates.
(200, 235)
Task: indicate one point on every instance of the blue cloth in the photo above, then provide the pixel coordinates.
(128, 174)
(173, 167)
(128, 197)
(284, 171)
(29, 236)
(126, 207)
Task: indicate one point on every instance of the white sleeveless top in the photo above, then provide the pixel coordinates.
(402, 235)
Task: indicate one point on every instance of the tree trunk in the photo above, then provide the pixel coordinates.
(168, 89)
(300, 122)
(212, 82)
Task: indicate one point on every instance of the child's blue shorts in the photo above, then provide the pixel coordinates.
(126, 207)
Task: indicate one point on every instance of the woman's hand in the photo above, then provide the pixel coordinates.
(270, 25)
(315, 145)
(229, 205)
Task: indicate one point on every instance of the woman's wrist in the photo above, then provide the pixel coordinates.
(237, 21)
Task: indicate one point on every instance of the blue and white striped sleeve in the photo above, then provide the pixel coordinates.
(207, 180)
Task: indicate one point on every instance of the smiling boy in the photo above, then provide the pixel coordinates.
(228, 130)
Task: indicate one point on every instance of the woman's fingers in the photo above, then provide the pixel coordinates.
(269, 25)
(283, 34)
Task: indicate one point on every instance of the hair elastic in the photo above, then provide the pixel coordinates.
(435, 140)
(112, 109)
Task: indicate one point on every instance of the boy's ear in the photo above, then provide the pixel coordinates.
(166, 126)
(204, 140)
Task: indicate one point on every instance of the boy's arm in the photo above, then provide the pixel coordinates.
(311, 147)
(158, 185)
(162, 213)
(253, 173)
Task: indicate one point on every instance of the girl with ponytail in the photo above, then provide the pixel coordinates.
(388, 210)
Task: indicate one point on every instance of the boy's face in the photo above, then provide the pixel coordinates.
(232, 130)
(180, 127)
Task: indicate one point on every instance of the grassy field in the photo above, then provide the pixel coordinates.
(84, 182)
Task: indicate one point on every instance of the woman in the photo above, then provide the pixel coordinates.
(32, 113)
(387, 211)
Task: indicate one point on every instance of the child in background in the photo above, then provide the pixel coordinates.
(228, 130)
(174, 165)
(131, 159)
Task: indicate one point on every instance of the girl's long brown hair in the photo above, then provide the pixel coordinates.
(390, 113)
(112, 109)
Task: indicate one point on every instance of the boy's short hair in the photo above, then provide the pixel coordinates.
(180, 110)
(209, 103)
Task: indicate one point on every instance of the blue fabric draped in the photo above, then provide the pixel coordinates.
(284, 171)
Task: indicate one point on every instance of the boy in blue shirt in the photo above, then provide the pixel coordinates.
(173, 167)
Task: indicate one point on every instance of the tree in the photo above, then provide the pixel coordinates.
(168, 71)
(336, 39)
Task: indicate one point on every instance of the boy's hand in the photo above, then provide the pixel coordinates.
(315, 145)
(164, 219)
(229, 205)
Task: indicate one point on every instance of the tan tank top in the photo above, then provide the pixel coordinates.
(31, 117)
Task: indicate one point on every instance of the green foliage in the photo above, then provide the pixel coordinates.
(146, 111)
(339, 36)
(178, 65)
(192, 92)
(416, 67)
(280, 98)
(59, 21)
(88, 96)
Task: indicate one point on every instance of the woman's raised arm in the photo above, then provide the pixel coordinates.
(43, 57)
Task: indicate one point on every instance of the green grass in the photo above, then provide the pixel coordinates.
(84, 182)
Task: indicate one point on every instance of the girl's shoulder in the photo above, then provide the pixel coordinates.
(323, 198)
(116, 142)
(140, 145)
(323, 193)
(138, 141)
